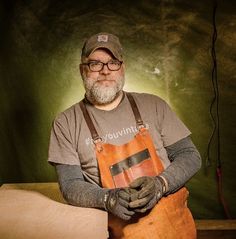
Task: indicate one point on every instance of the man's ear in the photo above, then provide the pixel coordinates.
(81, 69)
(123, 65)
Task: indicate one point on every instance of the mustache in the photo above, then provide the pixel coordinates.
(104, 78)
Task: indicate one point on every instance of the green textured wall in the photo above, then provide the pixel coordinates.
(167, 51)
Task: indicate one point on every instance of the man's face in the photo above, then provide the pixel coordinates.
(104, 86)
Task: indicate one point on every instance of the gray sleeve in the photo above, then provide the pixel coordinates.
(61, 145)
(75, 190)
(185, 162)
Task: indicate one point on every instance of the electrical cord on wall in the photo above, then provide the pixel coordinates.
(216, 119)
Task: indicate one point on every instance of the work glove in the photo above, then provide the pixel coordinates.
(116, 201)
(145, 192)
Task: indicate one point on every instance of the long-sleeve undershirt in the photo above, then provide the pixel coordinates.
(185, 162)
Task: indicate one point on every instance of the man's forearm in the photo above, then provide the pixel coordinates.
(75, 190)
(185, 162)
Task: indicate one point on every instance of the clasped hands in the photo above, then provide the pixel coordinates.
(141, 195)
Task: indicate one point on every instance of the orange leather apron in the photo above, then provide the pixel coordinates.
(121, 164)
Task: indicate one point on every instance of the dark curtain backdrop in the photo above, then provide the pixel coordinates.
(167, 48)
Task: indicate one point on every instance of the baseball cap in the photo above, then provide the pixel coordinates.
(102, 40)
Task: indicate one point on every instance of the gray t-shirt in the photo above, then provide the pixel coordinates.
(71, 142)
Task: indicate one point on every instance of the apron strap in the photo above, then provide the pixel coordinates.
(91, 126)
(89, 122)
(136, 112)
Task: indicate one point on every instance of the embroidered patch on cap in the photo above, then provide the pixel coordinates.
(102, 38)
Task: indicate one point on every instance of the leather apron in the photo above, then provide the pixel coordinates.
(121, 164)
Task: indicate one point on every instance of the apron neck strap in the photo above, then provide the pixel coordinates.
(136, 112)
(89, 122)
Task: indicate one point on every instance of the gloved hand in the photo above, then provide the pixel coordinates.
(145, 192)
(116, 201)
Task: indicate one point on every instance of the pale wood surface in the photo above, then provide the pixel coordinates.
(37, 211)
(50, 190)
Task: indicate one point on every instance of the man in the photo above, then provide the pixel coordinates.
(126, 153)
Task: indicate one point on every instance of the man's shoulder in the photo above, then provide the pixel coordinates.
(70, 113)
(147, 98)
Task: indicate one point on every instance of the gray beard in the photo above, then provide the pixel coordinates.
(101, 95)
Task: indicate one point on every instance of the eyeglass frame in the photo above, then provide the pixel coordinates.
(103, 64)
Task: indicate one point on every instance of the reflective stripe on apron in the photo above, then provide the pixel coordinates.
(121, 164)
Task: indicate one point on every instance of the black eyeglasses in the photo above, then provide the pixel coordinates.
(97, 66)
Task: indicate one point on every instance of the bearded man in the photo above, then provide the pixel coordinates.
(126, 153)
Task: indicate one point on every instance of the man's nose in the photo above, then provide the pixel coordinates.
(105, 70)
